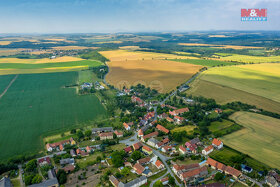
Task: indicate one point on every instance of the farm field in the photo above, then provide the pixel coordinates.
(204, 62)
(259, 139)
(39, 61)
(258, 82)
(161, 75)
(23, 68)
(247, 58)
(220, 46)
(217, 125)
(72, 48)
(124, 55)
(39, 104)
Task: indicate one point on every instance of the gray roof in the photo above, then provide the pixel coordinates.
(46, 183)
(135, 181)
(153, 140)
(67, 161)
(51, 174)
(102, 129)
(144, 128)
(5, 182)
(195, 141)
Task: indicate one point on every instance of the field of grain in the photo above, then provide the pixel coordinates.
(124, 55)
(248, 58)
(38, 61)
(5, 42)
(39, 104)
(259, 139)
(224, 94)
(161, 75)
(257, 80)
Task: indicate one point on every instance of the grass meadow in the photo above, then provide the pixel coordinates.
(248, 58)
(259, 138)
(39, 104)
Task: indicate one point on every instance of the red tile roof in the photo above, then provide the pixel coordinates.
(106, 134)
(232, 171)
(194, 172)
(118, 133)
(140, 132)
(165, 140)
(208, 148)
(220, 166)
(138, 168)
(162, 128)
(216, 142)
(169, 119)
(146, 148)
(182, 148)
(153, 134)
(158, 163)
(186, 167)
(137, 145)
(179, 111)
(144, 160)
(68, 168)
(127, 149)
(45, 159)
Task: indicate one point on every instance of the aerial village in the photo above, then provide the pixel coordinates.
(146, 152)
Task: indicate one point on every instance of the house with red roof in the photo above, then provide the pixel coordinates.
(166, 148)
(178, 120)
(178, 111)
(137, 100)
(165, 180)
(182, 149)
(44, 161)
(162, 129)
(218, 110)
(179, 169)
(193, 174)
(217, 143)
(89, 149)
(118, 133)
(127, 126)
(137, 146)
(128, 149)
(162, 116)
(140, 133)
(151, 135)
(169, 119)
(138, 168)
(159, 164)
(207, 150)
(115, 182)
(223, 168)
(58, 146)
(147, 150)
(106, 136)
(144, 161)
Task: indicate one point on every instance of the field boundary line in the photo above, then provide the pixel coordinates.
(10, 84)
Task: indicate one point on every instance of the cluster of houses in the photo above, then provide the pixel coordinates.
(174, 115)
(216, 143)
(59, 146)
(273, 179)
(190, 146)
(86, 86)
(134, 183)
(106, 133)
(138, 101)
(140, 167)
(189, 173)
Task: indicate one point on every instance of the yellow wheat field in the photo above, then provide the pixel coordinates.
(123, 55)
(38, 61)
(161, 75)
(5, 42)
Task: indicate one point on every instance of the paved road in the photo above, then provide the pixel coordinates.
(129, 141)
(20, 175)
(164, 159)
(153, 182)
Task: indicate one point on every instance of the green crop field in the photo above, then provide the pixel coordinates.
(217, 125)
(4, 82)
(248, 58)
(204, 62)
(256, 84)
(259, 139)
(40, 104)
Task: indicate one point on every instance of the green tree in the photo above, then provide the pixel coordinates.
(117, 158)
(80, 134)
(31, 165)
(171, 180)
(61, 176)
(136, 155)
(125, 171)
(28, 179)
(88, 133)
(219, 176)
(37, 179)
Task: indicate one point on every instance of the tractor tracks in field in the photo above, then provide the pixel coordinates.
(10, 84)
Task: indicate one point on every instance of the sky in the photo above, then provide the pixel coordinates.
(110, 16)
